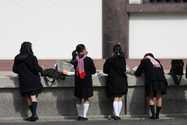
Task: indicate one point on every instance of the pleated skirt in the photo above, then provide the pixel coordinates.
(112, 95)
(156, 85)
(83, 92)
(34, 92)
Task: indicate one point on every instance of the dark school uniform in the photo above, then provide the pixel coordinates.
(83, 87)
(116, 81)
(154, 76)
(28, 69)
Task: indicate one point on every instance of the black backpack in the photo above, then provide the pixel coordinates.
(176, 69)
(52, 73)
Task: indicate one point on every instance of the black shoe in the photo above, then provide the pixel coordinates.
(157, 117)
(117, 118)
(79, 118)
(84, 119)
(33, 118)
(153, 117)
(27, 118)
(112, 116)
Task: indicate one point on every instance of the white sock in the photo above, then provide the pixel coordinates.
(85, 109)
(120, 104)
(79, 106)
(115, 106)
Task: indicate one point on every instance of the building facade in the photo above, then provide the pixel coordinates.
(55, 27)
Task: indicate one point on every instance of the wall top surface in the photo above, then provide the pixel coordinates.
(98, 81)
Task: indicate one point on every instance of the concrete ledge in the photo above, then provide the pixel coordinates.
(57, 100)
(98, 81)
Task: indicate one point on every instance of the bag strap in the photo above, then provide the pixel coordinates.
(62, 77)
(176, 80)
(49, 80)
(186, 70)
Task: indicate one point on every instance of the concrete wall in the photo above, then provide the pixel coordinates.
(162, 34)
(54, 27)
(57, 100)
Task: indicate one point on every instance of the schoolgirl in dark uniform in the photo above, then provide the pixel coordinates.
(155, 83)
(84, 67)
(116, 81)
(27, 68)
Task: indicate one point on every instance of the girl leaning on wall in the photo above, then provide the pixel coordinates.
(84, 68)
(155, 83)
(27, 67)
(116, 81)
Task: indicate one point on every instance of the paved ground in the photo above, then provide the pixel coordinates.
(133, 121)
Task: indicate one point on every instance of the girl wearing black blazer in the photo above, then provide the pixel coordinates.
(84, 68)
(155, 83)
(116, 81)
(27, 67)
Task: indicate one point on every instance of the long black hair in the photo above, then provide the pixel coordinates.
(149, 54)
(118, 53)
(26, 48)
(79, 49)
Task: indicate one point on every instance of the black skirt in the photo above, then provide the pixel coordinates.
(83, 92)
(34, 92)
(112, 95)
(156, 85)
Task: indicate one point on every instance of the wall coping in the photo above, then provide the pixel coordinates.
(98, 81)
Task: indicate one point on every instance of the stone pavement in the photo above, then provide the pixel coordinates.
(103, 121)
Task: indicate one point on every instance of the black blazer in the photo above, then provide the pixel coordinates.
(89, 68)
(28, 69)
(151, 73)
(116, 81)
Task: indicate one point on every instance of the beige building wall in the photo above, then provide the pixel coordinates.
(163, 34)
(54, 27)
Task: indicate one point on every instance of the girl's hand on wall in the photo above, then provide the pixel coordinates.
(65, 72)
(42, 67)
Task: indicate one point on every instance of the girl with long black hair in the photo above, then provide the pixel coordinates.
(116, 81)
(27, 67)
(84, 68)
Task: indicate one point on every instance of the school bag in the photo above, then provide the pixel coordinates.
(64, 64)
(176, 69)
(52, 73)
